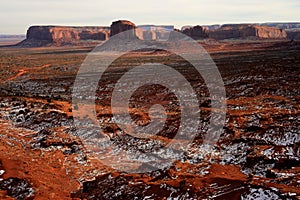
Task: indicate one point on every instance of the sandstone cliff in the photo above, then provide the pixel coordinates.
(68, 35)
(292, 29)
(152, 32)
(63, 35)
(126, 28)
(247, 31)
(129, 30)
(270, 33)
(196, 32)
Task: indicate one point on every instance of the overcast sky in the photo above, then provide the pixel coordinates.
(17, 15)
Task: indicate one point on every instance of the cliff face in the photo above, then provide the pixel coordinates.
(232, 32)
(122, 26)
(270, 32)
(247, 31)
(152, 32)
(292, 29)
(68, 35)
(39, 33)
(196, 32)
(57, 35)
(129, 30)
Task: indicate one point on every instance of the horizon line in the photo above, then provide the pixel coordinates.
(153, 24)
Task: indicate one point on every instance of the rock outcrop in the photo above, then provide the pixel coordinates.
(270, 33)
(247, 31)
(196, 32)
(125, 28)
(152, 32)
(91, 35)
(128, 30)
(63, 35)
(292, 29)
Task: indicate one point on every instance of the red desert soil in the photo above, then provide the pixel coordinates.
(24, 71)
(257, 155)
(44, 170)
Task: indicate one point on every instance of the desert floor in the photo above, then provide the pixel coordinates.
(258, 154)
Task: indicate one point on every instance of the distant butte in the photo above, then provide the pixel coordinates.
(123, 26)
(87, 35)
(63, 35)
(240, 31)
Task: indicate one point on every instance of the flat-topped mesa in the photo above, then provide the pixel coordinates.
(247, 31)
(124, 28)
(92, 35)
(63, 35)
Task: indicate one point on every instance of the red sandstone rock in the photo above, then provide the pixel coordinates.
(66, 35)
(244, 31)
(196, 32)
(125, 26)
(270, 32)
(41, 35)
(152, 32)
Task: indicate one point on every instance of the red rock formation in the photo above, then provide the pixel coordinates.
(57, 35)
(245, 31)
(152, 32)
(270, 32)
(196, 32)
(39, 33)
(66, 35)
(122, 26)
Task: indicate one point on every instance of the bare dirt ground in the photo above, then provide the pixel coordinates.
(257, 156)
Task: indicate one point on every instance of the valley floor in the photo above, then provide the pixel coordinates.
(258, 155)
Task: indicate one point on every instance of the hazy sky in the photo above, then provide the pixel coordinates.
(17, 15)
